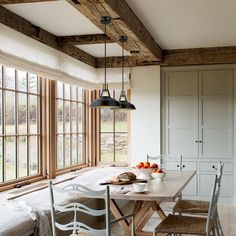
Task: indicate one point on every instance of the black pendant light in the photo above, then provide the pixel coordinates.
(124, 104)
(105, 100)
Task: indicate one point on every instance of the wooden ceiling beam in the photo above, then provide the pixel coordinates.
(124, 22)
(85, 39)
(179, 57)
(5, 2)
(23, 26)
(199, 56)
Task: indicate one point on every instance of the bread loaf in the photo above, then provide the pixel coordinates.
(126, 176)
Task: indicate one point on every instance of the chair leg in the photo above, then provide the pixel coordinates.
(133, 226)
(219, 225)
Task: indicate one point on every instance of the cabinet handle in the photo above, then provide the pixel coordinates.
(182, 166)
(196, 141)
(200, 141)
(214, 168)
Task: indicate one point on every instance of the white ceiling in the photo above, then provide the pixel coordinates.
(58, 17)
(179, 24)
(97, 50)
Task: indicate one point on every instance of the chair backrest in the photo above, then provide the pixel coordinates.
(76, 226)
(161, 160)
(212, 212)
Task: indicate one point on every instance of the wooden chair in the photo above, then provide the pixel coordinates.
(198, 207)
(79, 227)
(179, 224)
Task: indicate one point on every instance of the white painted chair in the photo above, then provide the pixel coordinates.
(179, 224)
(79, 227)
(161, 160)
(184, 206)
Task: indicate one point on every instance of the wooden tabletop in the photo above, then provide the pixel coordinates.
(168, 190)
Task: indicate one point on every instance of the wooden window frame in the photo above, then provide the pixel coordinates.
(72, 167)
(39, 175)
(114, 162)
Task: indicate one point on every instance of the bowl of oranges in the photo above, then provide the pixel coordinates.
(145, 169)
(158, 175)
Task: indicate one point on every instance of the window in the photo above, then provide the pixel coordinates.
(113, 134)
(70, 125)
(19, 124)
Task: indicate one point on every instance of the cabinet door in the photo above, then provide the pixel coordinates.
(215, 114)
(182, 113)
(206, 181)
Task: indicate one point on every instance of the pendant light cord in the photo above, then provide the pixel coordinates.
(105, 63)
(123, 64)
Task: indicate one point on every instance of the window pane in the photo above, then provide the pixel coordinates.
(1, 161)
(107, 116)
(121, 121)
(81, 143)
(74, 149)
(60, 151)
(67, 116)
(0, 75)
(22, 158)
(81, 117)
(121, 147)
(59, 116)
(10, 112)
(33, 154)
(22, 113)
(33, 116)
(67, 150)
(73, 93)
(10, 158)
(1, 112)
(22, 80)
(9, 78)
(67, 91)
(33, 83)
(74, 113)
(80, 95)
(107, 147)
(59, 89)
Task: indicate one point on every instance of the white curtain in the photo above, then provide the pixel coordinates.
(24, 53)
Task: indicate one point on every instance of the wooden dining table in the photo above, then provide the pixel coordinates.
(149, 202)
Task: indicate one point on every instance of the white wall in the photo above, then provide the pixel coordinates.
(145, 121)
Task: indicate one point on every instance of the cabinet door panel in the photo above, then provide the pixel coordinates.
(182, 113)
(216, 82)
(215, 114)
(176, 80)
(182, 141)
(191, 188)
(206, 181)
(216, 143)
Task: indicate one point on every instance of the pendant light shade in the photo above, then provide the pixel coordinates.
(105, 100)
(124, 104)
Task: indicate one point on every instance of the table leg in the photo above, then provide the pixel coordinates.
(159, 211)
(116, 211)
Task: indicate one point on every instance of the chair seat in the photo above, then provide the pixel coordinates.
(191, 206)
(183, 225)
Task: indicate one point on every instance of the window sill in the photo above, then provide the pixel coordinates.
(10, 194)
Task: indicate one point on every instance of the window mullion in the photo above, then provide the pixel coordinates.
(16, 129)
(63, 125)
(3, 127)
(70, 119)
(27, 124)
(114, 134)
(77, 126)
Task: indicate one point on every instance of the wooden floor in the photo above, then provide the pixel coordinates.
(227, 217)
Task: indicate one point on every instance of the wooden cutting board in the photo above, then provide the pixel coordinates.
(124, 182)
